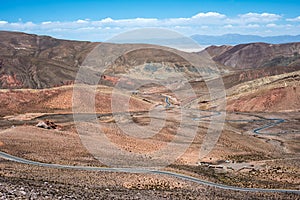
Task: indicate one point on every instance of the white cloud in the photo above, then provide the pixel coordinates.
(209, 23)
(253, 26)
(21, 25)
(209, 15)
(45, 23)
(86, 29)
(263, 17)
(80, 21)
(198, 19)
(254, 18)
(271, 25)
(107, 20)
(3, 22)
(228, 26)
(296, 19)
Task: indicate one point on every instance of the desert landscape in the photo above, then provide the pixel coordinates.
(43, 154)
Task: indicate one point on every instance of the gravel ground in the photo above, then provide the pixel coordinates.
(18, 181)
(13, 188)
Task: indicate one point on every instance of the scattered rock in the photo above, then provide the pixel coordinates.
(47, 125)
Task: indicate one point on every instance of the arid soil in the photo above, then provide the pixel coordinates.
(267, 160)
(30, 182)
(258, 146)
(58, 100)
(235, 144)
(268, 94)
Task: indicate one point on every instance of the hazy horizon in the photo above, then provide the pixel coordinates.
(101, 20)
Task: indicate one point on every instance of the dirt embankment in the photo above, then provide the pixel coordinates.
(277, 99)
(271, 94)
(60, 100)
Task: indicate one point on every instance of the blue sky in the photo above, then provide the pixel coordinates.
(99, 20)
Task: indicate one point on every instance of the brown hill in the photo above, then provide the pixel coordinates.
(273, 100)
(59, 99)
(32, 61)
(217, 50)
(271, 94)
(241, 76)
(256, 55)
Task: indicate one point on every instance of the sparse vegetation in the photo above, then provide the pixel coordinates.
(239, 157)
(282, 60)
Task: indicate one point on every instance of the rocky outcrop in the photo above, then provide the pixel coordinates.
(47, 125)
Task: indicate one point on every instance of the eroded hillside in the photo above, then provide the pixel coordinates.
(256, 55)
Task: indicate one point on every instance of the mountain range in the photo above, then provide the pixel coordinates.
(234, 39)
(32, 61)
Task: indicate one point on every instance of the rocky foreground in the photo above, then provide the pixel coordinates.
(15, 188)
(18, 181)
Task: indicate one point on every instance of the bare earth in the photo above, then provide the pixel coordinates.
(258, 145)
(268, 160)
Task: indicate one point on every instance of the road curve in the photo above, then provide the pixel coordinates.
(176, 175)
(132, 170)
(167, 102)
(272, 121)
(269, 125)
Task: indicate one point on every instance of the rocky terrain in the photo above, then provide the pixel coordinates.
(57, 100)
(256, 55)
(31, 61)
(271, 94)
(36, 62)
(89, 185)
(258, 146)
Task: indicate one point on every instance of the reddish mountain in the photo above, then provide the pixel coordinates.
(256, 55)
(31, 61)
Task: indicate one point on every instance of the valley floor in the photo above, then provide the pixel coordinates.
(252, 150)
